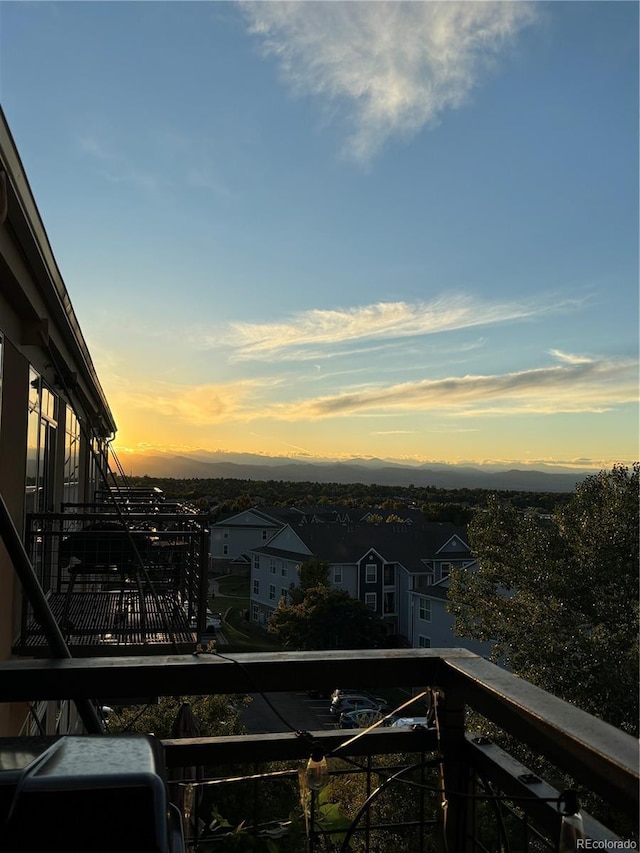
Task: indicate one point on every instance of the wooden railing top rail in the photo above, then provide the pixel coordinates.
(599, 755)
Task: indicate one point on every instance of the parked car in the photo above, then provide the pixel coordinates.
(409, 722)
(362, 719)
(214, 622)
(356, 702)
(343, 692)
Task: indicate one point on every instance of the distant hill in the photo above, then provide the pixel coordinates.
(246, 466)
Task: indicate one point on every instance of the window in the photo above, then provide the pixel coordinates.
(225, 534)
(424, 642)
(264, 535)
(272, 592)
(371, 600)
(272, 566)
(337, 574)
(41, 434)
(256, 562)
(256, 586)
(283, 594)
(284, 571)
(225, 549)
(371, 573)
(445, 568)
(389, 574)
(97, 465)
(71, 470)
(424, 611)
(389, 602)
(255, 612)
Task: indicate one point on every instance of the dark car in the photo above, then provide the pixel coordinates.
(343, 692)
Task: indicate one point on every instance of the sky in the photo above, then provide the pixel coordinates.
(334, 229)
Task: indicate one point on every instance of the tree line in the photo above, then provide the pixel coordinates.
(225, 495)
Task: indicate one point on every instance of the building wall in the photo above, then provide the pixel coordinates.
(370, 580)
(237, 535)
(39, 331)
(348, 577)
(438, 627)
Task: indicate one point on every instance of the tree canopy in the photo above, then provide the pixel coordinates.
(319, 617)
(559, 598)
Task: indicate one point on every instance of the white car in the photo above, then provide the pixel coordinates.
(357, 702)
(407, 722)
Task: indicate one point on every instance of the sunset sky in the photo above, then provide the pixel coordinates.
(405, 230)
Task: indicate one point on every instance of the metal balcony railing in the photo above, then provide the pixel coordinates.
(119, 577)
(459, 793)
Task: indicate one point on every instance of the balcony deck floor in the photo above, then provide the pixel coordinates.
(110, 623)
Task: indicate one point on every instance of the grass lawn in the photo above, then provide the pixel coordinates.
(245, 637)
(233, 586)
(233, 593)
(233, 602)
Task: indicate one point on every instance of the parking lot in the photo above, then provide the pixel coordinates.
(301, 712)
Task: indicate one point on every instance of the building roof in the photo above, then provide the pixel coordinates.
(345, 543)
(63, 331)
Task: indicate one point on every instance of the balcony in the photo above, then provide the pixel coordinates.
(124, 575)
(455, 790)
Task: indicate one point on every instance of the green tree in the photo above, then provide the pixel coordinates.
(312, 573)
(325, 618)
(215, 715)
(559, 598)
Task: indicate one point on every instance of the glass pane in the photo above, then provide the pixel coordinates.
(33, 483)
(48, 404)
(71, 473)
(34, 390)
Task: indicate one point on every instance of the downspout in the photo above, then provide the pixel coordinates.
(42, 611)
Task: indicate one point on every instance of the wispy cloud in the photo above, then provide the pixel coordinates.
(585, 386)
(569, 358)
(396, 66)
(196, 405)
(188, 159)
(299, 337)
(118, 168)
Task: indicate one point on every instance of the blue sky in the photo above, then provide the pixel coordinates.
(407, 230)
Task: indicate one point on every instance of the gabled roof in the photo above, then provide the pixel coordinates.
(457, 544)
(298, 556)
(433, 591)
(340, 543)
(325, 514)
(286, 543)
(259, 518)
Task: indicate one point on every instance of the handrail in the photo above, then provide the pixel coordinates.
(604, 757)
(574, 740)
(33, 591)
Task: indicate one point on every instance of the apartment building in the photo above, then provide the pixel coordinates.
(109, 586)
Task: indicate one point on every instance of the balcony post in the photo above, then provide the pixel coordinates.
(455, 771)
